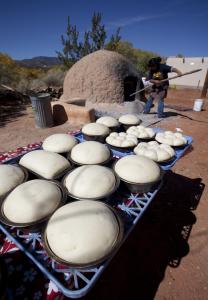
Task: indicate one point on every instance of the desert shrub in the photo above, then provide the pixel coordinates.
(8, 72)
(23, 85)
(37, 84)
(15, 76)
(55, 79)
(137, 56)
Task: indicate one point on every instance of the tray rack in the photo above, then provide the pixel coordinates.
(76, 283)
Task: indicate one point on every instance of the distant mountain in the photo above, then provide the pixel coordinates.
(39, 62)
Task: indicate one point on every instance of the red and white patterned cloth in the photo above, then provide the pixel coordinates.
(25, 281)
(4, 157)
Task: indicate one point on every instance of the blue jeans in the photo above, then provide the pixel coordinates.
(160, 107)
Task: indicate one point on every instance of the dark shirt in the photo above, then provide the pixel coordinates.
(160, 73)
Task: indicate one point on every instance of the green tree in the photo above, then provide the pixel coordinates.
(142, 59)
(114, 41)
(97, 33)
(94, 39)
(126, 49)
(86, 46)
(180, 55)
(138, 57)
(71, 46)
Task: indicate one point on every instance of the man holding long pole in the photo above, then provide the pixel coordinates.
(158, 74)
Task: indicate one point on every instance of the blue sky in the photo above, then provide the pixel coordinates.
(33, 28)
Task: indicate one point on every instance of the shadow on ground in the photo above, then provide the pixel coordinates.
(11, 108)
(179, 107)
(159, 240)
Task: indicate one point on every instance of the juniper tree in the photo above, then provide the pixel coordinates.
(93, 40)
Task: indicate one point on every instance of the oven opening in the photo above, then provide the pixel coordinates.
(130, 85)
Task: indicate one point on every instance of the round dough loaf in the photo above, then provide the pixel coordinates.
(141, 132)
(44, 163)
(59, 143)
(108, 121)
(121, 139)
(171, 138)
(155, 151)
(82, 232)
(90, 181)
(137, 169)
(10, 177)
(31, 201)
(95, 129)
(90, 153)
(129, 119)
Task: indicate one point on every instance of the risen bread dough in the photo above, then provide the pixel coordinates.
(10, 177)
(90, 181)
(171, 138)
(31, 201)
(82, 231)
(90, 152)
(155, 151)
(137, 169)
(121, 139)
(59, 143)
(129, 119)
(108, 121)
(44, 163)
(141, 132)
(95, 129)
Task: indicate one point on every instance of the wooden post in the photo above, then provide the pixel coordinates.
(205, 87)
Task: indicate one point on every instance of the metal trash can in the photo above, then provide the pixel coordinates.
(41, 104)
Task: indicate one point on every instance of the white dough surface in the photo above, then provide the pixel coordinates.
(82, 231)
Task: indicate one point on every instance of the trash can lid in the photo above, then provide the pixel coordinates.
(40, 96)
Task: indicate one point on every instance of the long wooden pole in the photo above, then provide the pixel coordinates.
(205, 87)
(164, 80)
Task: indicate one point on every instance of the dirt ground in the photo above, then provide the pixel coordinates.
(19, 130)
(189, 279)
(165, 257)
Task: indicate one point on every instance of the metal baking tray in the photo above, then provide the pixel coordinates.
(97, 138)
(149, 139)
(57, 177)
(167, 161)
(107, 195)
(104, 163)
(179, 146)
(37, 225)
(127, 126)
(93, 263)
(142, 187)
(24, 180)
(115, 128)
(121, 149)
